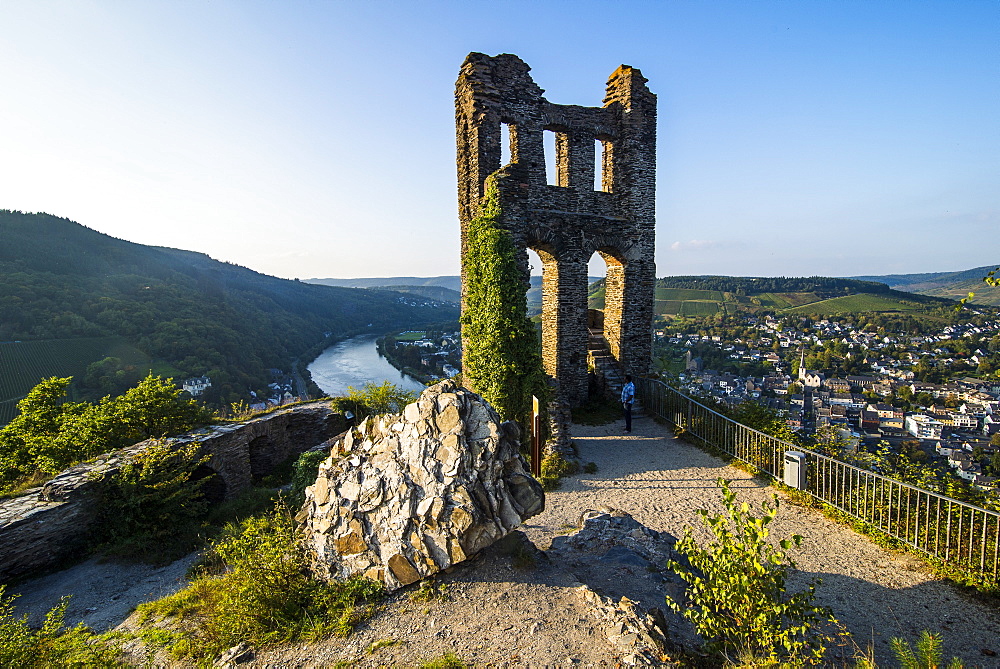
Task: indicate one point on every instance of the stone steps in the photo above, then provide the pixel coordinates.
(607, 366)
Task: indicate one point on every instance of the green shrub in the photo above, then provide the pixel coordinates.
(374, 399)
(151, 502)
(305, 472)
(554, 467)
(736, 595)
(264, 594)
(53, 644)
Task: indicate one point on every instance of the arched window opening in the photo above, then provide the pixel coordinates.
(611, 297)
(262, 457)
(535, 292)
(214, 488)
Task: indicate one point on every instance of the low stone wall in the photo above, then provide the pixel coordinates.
(50, 524)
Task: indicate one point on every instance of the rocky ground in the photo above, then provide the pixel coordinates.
(550, 596)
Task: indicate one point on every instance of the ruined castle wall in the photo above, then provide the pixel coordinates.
(50, 524)
(569, 222)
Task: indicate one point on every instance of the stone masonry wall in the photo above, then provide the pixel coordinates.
(50, 524)
(567, 223)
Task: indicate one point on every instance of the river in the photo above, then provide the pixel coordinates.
(354, 362)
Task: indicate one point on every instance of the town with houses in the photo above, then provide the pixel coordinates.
(428, 356)
(955, 422)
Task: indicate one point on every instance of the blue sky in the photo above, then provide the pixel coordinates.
(316, 139)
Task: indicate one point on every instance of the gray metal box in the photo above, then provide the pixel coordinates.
(795, 470)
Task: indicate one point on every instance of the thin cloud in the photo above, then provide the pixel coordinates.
(694, 245)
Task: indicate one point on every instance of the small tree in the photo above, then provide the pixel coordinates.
(927, 654)
(50, 434)
(374, 399)
(736, 595)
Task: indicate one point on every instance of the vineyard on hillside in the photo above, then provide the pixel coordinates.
(24, 363)
(862, 302)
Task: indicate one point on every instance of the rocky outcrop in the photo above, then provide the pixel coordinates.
(404, 496)
(622, 566)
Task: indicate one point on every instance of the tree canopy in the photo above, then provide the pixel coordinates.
(50, 434)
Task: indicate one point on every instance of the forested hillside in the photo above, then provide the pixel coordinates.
(184, 310)
(750, 285)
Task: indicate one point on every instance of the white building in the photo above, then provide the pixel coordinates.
(924, 427)
(196, 386)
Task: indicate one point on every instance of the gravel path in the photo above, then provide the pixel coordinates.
(876, 594)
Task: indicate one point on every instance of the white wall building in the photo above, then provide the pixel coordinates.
(924, 427)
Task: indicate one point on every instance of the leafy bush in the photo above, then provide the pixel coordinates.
(305, 470)
(554, 467)
(53, 644)
(264, 594)
(151, 501)
(374, 399)
(49, 434)
(736, 595)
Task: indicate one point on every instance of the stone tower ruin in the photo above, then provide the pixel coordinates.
(569, 222)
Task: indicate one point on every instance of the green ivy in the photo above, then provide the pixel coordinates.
(501, 360)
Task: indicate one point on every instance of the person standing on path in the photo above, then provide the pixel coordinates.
(628, 396)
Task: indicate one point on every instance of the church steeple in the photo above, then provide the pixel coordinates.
(802, 364)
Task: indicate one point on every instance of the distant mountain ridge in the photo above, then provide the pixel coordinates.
(63, 280)
(411, 284)
(451, 282)
(951, 285)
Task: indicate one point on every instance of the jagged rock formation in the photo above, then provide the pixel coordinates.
(404, 496)
(607, 552)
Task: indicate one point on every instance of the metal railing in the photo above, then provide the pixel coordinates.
(948, 529)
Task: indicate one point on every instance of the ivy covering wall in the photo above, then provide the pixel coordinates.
(501, 360)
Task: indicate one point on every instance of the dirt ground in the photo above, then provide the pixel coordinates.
(515, 606)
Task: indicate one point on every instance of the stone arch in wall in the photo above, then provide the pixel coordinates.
(263, 455)
(606, 208)
(214, 488)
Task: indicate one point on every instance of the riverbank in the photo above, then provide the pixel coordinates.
(400, 365)
(353, 362)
